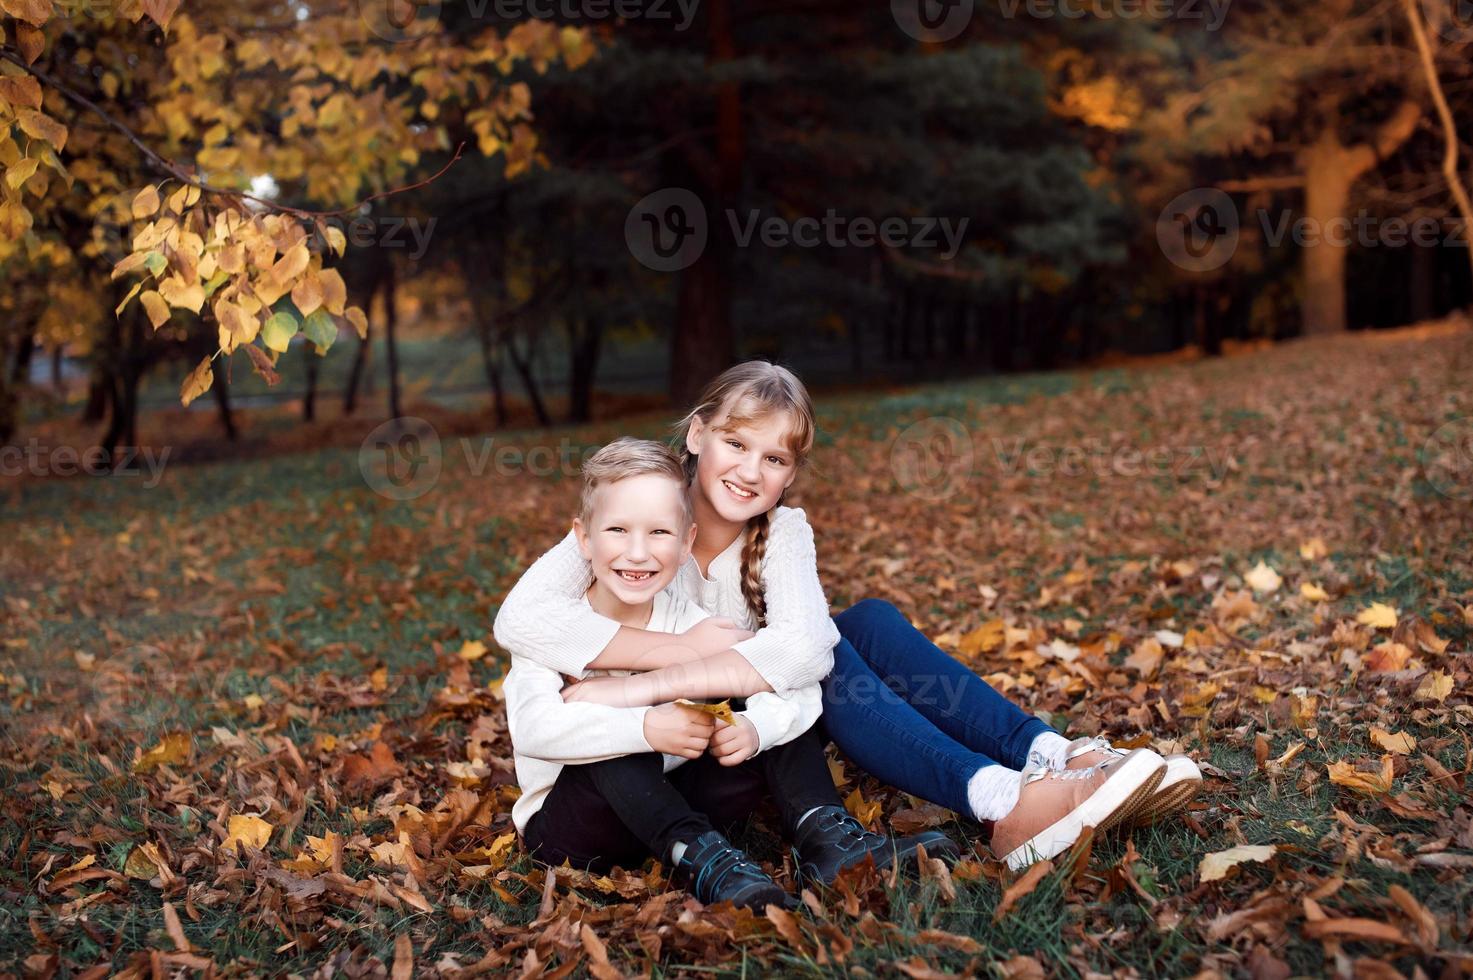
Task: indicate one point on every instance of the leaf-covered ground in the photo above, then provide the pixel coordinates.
(252, 724)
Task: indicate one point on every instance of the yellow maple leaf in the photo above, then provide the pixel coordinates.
(173, 749)
(1313, 592)
(1216, 866)
(1436, 686)
(1377, 615)
(472, 650)
(721, 710)
(1399, 743)
(246, 829)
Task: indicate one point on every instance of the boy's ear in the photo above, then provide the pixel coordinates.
(581, 533)
(690, 542)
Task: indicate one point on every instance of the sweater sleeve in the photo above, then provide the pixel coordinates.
(796, 646)
(781, 718)
(544, 617)
(542, 726)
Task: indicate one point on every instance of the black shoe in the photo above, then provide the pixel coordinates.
(715, 871)
(831, 840)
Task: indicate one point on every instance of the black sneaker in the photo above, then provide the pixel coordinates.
(715, 871)
(831, 840)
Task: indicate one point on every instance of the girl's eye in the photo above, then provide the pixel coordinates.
(734, 444)
(777, 461)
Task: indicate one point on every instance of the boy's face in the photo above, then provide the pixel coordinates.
(633, 538)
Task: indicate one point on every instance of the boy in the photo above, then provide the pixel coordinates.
(604, 785)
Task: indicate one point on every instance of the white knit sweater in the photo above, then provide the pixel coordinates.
(545, 619)
(548, 733)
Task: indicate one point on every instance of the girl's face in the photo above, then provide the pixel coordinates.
(743, 470)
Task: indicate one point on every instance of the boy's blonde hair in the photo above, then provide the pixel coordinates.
(628, 457)
(750, 392)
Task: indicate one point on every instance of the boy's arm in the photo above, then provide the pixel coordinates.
(545, 620)
(544, 727)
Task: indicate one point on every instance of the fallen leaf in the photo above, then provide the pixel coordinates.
(1263, 579)
(173, 750)
(247, 830)
(1436, 686)
(1217, 865)
(472, 650)
(1313, 592)
(1024, 886)
(1387, 658)
(367, 772)
(1313, 550)
(1377, 615)
(1346, 774)
(403, 958)
(1369, 930)
(1401, 743)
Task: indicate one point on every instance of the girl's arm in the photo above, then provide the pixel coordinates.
(726, 675)
(795, 648)
(545, 620)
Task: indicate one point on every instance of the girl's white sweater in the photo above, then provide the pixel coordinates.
(545, 619)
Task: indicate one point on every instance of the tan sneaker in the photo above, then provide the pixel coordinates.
(1055, 805)
(1181, 783)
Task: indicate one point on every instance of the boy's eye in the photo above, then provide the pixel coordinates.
(659, 530)
(618, 530)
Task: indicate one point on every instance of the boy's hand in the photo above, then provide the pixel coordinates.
(714, 635)
(676, 730)
(734, 744)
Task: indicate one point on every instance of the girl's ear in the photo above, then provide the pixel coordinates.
(693, 436)
(581, 533)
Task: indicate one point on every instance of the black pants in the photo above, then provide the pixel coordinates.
(623, 810)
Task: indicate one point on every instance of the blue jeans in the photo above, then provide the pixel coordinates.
(910, 715)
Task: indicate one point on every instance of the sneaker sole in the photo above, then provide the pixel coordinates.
(1125, 792)
(1166, 802)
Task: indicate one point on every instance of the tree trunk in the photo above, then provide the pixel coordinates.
(98, 388)
(309, 399)
(703, 343)
(20, 368)
(56, 359)
(583, 366)
(1327, 182)
(221, 388)
(523, 364)
(8, 404)
(391, 321)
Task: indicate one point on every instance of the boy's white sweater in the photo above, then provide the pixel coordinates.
(547, 733)
(546, 619)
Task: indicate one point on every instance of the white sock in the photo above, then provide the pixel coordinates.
(993, 792)
(677, 851)
(1051, 748)
(806, 814)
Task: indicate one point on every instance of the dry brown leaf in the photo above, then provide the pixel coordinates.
(1399, 743)
(1024, 886)
(1346, 774)
(1216, 866)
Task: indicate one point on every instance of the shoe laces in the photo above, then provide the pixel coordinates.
(1034, 773)
(1097, 744)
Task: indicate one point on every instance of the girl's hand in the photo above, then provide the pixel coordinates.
(734, 744)
(713, 635)
(677, 730)
(598, 690)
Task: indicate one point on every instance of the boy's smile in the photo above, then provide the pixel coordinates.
(635, 543)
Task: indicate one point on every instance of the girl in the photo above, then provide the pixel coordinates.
(754, 562)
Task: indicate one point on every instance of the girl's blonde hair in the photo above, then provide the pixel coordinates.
(751, 392)
(628, 457)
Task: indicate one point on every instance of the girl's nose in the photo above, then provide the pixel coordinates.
(749, 470)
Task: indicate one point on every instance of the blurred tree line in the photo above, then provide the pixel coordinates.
(1070, 155)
